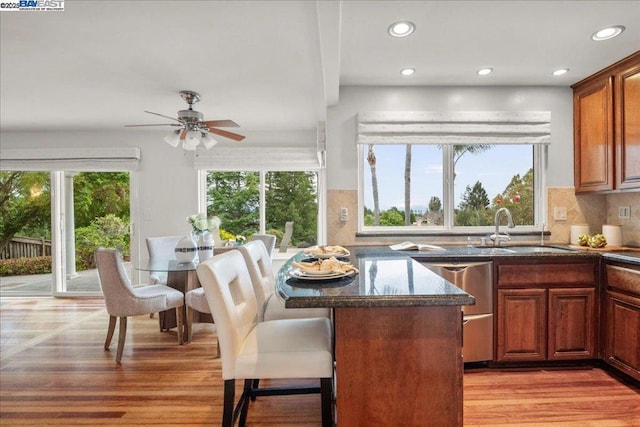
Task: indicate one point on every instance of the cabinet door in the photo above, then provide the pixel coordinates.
(627, 126)
(522, 325)
(622, 349)
(572, 318)
(593, 136)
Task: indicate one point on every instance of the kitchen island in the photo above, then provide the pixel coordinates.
(398, 339)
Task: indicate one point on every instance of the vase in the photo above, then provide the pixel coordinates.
(186, 250)
(205, 246)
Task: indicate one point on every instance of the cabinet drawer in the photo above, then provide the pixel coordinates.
(623, 279)
(541, 274)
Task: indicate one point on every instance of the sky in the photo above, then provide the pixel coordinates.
(493, 168)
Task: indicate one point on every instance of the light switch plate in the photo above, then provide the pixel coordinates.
(344, 214)
(624, 212)
(560, 213)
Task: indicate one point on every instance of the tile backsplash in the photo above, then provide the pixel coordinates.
(594, 210)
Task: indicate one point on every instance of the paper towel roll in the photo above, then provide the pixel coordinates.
(613, 234)
(577, 230)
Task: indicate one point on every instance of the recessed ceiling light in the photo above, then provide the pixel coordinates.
(560, 71)
(485, 71)
(607, 33)
(401, 28)
(407, 71)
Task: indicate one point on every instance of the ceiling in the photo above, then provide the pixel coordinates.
(277, 65)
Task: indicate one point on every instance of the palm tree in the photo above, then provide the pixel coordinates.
(371, 158)
(407, 186)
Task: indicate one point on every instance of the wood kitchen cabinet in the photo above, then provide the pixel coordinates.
(546, 311)
(622, 318)
(607, 128)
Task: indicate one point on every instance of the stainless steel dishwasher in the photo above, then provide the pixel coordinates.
(475, 278)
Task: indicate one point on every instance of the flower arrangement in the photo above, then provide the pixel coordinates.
(200, 223)
(240, 239)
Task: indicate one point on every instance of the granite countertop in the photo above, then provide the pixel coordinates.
(386, 278)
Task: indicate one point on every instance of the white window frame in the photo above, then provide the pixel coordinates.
(449, 129)
(321, 192)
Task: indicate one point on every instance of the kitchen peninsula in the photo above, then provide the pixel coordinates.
(398, 339)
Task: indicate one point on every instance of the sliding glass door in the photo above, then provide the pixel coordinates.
(51, 224)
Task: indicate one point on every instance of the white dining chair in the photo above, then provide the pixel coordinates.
(161, 247)
(254, 350)
(122, 300)
(270, 305)
(269, 241)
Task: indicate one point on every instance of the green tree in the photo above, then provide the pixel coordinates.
(97, 194)
(518, 197)
(392, 217)
(25, 199)
(108, 231)
(473, 207)
(234, 197)
(407, 186)
(292, 196)
(435, 205)
(371, 159)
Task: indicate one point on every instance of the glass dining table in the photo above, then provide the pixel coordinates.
(183, 277)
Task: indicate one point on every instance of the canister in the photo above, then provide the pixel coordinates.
(577, 230)
(613, 234)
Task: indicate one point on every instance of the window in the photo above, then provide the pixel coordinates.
(257, 202)
(484, 179)
(430, 172)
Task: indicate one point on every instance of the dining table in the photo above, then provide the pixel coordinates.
(183, 277)
(397, 333)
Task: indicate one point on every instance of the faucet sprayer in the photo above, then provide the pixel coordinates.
(497, 237)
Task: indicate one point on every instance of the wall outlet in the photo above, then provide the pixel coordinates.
(560, 213)
(624, 212)
(344, 214)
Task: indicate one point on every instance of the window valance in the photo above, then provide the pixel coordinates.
(70, 159)
(259, 158)
(454, 128)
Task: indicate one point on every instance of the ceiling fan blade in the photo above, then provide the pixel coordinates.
(162, 115)
(158, 124)
(230, 135)
(220, 123)
(183, 135)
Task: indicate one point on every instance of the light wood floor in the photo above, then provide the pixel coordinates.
(54, 371)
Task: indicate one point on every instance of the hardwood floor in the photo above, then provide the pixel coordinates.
(54, 371)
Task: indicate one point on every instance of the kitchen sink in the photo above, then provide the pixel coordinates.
(536, 249)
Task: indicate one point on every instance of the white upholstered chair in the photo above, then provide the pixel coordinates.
(286, 238)
(122, 300)
(161, 247)
(253, 350)
(270, 305)
(269, 241)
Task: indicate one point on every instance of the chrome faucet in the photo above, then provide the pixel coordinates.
(497, 237)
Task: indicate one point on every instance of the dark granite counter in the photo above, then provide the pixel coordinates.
(387, 278)
(625, 256)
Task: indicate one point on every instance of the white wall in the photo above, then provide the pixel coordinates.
(167, 182)
(342, 165)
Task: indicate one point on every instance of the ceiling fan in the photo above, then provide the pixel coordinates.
(192, 128)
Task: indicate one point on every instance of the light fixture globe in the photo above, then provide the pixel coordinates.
(208, 141)
(191, 140)
(173, 139)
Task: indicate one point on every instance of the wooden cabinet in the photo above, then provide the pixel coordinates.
(572, 320)
(546, 311)
(622, 318)
(627, 127)
(607, 128)
(522, 325)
